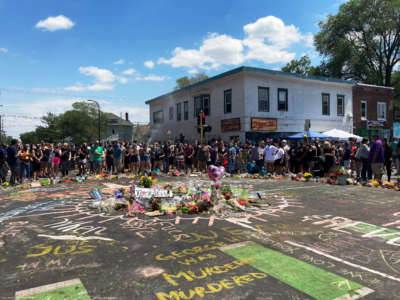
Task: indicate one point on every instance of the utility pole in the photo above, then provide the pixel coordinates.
(98, 108)
(202, 126)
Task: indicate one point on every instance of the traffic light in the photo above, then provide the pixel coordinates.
(198, 120)
(203, 119)
(208, 128)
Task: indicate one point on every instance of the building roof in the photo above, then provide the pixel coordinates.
(259, 71)
(115, 120)
(376, 86)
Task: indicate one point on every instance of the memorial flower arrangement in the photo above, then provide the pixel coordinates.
(147, 181)
(307, 176)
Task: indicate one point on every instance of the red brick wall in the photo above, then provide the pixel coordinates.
(372, 95)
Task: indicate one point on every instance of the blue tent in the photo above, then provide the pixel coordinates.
(310, 135)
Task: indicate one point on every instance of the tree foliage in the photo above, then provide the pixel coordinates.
(79, 124)
(362, 41)
(302, 66)
(186, 81)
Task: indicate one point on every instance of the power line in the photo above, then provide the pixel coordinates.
(62, 94)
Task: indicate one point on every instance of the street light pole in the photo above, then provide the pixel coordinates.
(98, 108)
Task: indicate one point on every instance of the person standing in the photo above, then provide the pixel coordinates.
(388, 158)
(269, 156)
(231, 158)
(3, 158)
(97, 152)
(82, 160)
(363, 154)
(204, 155)
(158, 156)
(37, 156)
(117, 163)
(25, 160)
(12, 160)
(166, 157)
(279, 159)
(65, 159)
(376, 158)
(189, 152)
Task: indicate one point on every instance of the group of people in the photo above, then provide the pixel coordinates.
(363, 160)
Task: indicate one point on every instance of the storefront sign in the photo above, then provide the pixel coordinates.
(230, 125)
(259, 124)
(375, 124)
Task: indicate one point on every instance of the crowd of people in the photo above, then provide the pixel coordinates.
(363, 160)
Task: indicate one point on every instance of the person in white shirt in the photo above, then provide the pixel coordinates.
(279, 159)
(269, 156)
(286, 148)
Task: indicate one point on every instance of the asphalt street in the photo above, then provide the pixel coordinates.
(314, 241)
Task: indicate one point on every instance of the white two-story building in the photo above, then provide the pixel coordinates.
(253, 103)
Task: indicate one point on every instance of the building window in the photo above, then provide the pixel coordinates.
(381, 111)
(363, 110)
(282, 100)
(326, 105)
(171, 113)
(263, 99)
(179, 111)
(228, 101)
(202, 103)
(340, 105)
(186, 110)
(158, 117)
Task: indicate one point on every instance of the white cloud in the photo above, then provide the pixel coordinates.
(309, 39)
(268, 40)
(122, 80)
(55, 23)
(4, 50)
(149, 64)
(215, 50)
(119, 62)
(273, 30)
(93, 87)
(102, 75)
(154, 78)
(129, 71)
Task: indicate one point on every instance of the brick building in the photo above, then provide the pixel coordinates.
(372, 110)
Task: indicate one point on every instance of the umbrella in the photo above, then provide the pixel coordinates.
(341, 135)
(310, 135)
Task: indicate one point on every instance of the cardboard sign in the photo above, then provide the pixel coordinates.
(148, 193)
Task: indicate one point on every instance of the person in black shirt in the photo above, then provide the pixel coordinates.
(388, 158)
(65, 159)
(82, 160)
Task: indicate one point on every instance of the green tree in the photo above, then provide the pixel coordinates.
(362, 41)
(186, 81)
(80, 124)
(302, 66)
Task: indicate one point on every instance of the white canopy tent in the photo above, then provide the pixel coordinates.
(341, 135)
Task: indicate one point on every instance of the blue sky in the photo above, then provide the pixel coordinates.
(123, 52)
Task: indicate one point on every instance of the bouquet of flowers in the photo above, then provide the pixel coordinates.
(307, 176)
(147, 181)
